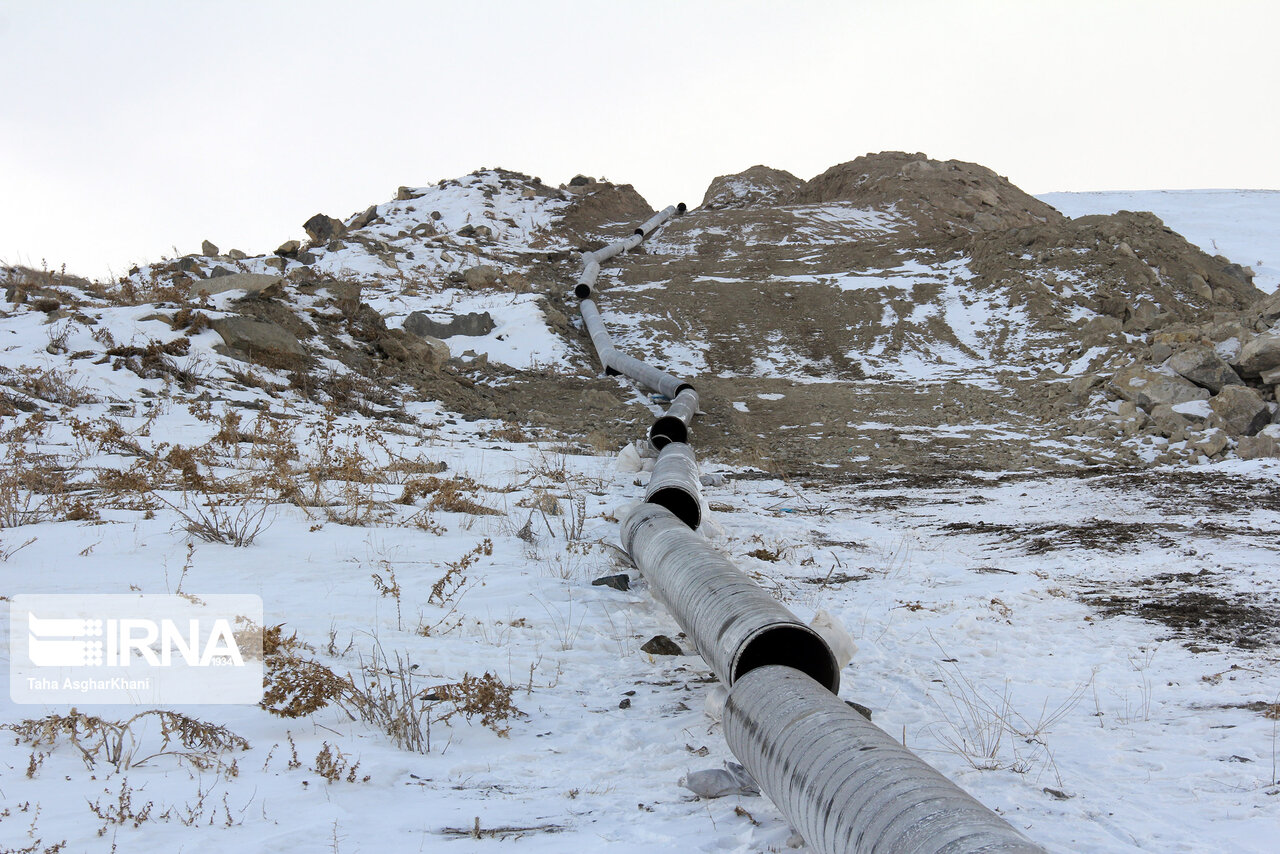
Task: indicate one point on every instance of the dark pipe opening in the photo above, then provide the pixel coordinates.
(666, 430)
(680, 208)
(612, 372)
(797, 647)
(682, 505)
(684, 386)
(640, 231)
(582, 291)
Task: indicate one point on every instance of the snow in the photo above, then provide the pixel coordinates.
(1240, 224)
(977, 613)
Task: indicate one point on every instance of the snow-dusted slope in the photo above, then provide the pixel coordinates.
(1243, 225)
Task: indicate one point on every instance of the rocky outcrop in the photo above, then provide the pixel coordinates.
(1204, 367)
(251, 284)
(259, 341)
(1238, 410)
(321, 229)
(1148, 388)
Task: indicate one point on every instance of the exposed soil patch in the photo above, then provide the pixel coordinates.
(1101, 534)
(1198, 615)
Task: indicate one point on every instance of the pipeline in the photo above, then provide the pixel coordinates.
(674, 424)
(735, 625)
(675, 485)
(842, 782)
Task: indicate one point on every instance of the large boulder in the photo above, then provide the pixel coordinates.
(475, 323)
(253, 284)
(482, 276)
(322, 229)
(253, 340)
(1203, 367)
(1265, 444)
(1239, 410)
(1260, 354)
(1148, 387)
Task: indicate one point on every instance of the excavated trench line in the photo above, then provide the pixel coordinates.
(841, 781)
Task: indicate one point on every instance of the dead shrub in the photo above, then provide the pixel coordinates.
(121, 745)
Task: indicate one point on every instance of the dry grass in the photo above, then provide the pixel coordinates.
(121, 743)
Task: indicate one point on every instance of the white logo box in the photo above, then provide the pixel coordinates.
(135, 649)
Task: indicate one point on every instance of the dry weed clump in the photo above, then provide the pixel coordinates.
(333, 765)
(487, 697)
(452, 495)
(120, 743)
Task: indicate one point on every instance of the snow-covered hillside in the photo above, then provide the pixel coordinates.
(1070, 613)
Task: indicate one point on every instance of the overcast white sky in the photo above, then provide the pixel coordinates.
(129, 129)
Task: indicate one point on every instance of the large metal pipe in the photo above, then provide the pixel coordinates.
(652, 223)
(674, 484)
(673, 425)
(599, 335)
(647, 375)
(843, 783)
(586, 285)
(734, 624)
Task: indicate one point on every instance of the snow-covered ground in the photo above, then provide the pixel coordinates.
(1243, 225)
(999, 625)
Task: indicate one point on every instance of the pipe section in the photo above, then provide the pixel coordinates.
(674, 484)
(586, 286)
(734, 624)
(673, 425)
(599, 335)
(843, 783)
(652, 223)
(647, 375)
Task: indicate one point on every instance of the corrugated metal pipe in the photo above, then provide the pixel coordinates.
(843, 783)
(734, 624)
(675, 485)
(674, 424)
(615, 362)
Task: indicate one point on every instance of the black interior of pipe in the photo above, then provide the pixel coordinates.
(666, 430)
(640, 231)
(582, 291)
(797, 647)
(682, 505)
(680, 208)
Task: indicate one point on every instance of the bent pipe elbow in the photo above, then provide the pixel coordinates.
(675, 485)
(734, 624)
(842, 782)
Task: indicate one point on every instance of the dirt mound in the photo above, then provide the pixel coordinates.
(951, 196)
(599, 205)
(759, 185)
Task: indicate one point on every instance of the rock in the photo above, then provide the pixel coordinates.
(1258, 447)
(467, 231)
(1260, 354)
(208, 249)
(363, 219)
(236, 255)
(482, 276)
(475, 323)
(219, 271)
(1271, 377)
(483, 232)
(1113, 306)
(1200, 287)
(288, 249)
(1239, 410)
(757, 186)
(1212, 444)
(258, 340)
(1170, 420)
(1204, 367)
(1268, 310)
(1161, 351)
(581, 181)
(307, 257)
(617, 582)
(253, 284)
(399, 345)
(277, 263)
(1148, 388)
(404, 194)
(322, 229)
(661, 645)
